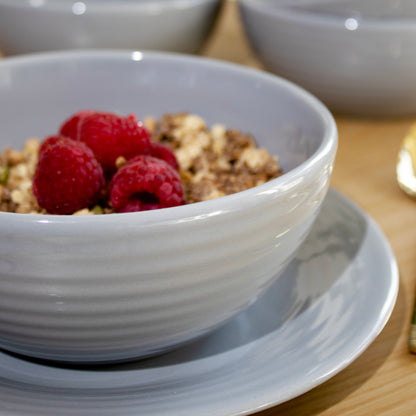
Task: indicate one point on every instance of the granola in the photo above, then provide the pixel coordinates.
(213, 162)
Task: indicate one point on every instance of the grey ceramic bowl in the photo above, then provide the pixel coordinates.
(119, 286)
(359, 57)
(42, 25)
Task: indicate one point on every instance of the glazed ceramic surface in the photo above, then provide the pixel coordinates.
(41, 25)
(303, 331)
(357, 56)
(114, 287)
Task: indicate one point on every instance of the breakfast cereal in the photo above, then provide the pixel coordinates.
(213, 162)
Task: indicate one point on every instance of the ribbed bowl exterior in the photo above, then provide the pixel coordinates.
(144, 290)
(354, 64)
(26, 27)
(121, 286)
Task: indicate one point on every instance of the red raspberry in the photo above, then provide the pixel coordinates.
(134, 139)
(146, 183)
(110, 136)
(70, 127)
(67, 177)
(48, 142)
(165, 153)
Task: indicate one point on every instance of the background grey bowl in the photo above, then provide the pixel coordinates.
(42, 25)
(357, 56)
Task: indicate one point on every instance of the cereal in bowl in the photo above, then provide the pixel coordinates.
(101, 163)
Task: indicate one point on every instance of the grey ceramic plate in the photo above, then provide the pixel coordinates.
(289, 341)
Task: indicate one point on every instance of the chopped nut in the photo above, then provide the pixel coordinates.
(214, 194)
(14, 156)
(255, 159)
(26, 185)
(218, 134)
(31, 147)
(17, 196)
(20, 171)
(120, 161)
(193, 122)
(150, 123)
(84, 211)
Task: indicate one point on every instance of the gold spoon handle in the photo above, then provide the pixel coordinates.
(406, 163)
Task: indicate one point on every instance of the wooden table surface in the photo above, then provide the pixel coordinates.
(382, 381)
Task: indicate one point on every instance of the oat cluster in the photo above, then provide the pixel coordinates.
(17, 168)
(213, 162)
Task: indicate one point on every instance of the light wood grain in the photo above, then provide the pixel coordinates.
(382, 381)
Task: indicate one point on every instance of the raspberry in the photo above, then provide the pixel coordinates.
(48, 142)
(70, 127)
(67, 177)
(110, 136)
(146, 183)
(134, 139)
(165, 153)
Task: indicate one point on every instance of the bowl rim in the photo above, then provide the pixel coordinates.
(315, 19)
(240, 201)
(151, 7)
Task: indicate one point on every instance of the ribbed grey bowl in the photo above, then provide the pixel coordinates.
(115, 287)
(46, 25)
(358, 57)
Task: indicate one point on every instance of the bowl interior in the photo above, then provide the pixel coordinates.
(38, 92)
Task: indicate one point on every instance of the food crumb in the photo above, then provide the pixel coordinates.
(16, 172)
(214, 161)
